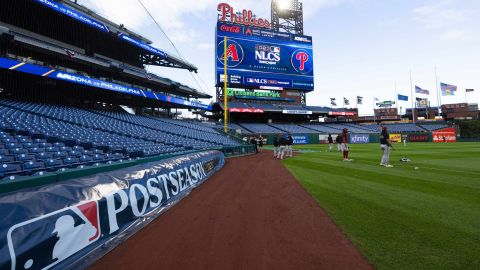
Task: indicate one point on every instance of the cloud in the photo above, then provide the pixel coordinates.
(205, 46)
(440, 15)
(457, 35)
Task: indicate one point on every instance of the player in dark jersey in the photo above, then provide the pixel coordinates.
(338, 140)
(385, 145)
(275, 146)
(289, 145)
(330, 142)
(345, 145)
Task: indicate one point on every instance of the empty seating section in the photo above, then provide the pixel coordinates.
(432, 127)
(351, 128)
(235, 127)
(293, 128)
(323, 128)
(403, 128)
(36, 137)
(260, 128)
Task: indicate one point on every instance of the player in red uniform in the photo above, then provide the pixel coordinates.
(345, 144)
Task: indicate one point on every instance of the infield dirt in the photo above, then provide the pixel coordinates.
(252, 214)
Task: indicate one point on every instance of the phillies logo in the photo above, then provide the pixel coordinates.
(234, 53)
(230, 28)
(302, 61)
(62, 234)
(226, 13)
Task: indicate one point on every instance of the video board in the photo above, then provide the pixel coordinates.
(263, 59)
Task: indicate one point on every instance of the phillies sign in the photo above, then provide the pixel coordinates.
(226, 13)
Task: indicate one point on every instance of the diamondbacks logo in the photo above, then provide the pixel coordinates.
(302, 61)
(62, 234)
(234, 54)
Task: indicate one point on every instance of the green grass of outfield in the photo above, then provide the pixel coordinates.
(401, 218)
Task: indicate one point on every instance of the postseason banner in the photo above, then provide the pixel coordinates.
(72, 224)
(264, 59)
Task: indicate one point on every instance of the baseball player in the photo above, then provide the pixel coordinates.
(345, 145)
(330, 142)
(275, 146)
(338, 140)
(289, 145)
(283, 146)
(385, 145)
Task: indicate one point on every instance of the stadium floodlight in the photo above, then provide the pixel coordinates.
(284, 4)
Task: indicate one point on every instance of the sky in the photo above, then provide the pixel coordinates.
(361, 47)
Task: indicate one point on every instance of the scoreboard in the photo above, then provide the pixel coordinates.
(263, 59)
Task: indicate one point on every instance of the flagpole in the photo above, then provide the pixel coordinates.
(466, 96)
(411, 93)
(374, 116)
(439, 101)
(439, 92)
(396, 95)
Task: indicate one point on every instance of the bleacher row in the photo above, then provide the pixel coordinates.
(36, 138)
(255, 128)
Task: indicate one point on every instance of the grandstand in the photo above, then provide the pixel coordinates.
(68, 100)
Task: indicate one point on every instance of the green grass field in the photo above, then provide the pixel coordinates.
(401, 217)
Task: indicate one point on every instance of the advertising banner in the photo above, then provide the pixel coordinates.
(359, 138)
(300, 139)
(260, 58)
(417, 138)
(444, 135)
(396, 137)
(47, 72)
(74, 223)
(323, 139)
(245, 110)
(74, 14)
(296, 112)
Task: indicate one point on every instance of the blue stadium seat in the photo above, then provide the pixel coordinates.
(71, 162)
(44, 156)
(36, 150)
(10, 168)
(18, 151)
(24, 157)
(4, 152)
(60, 155)
(7, 159)
(33, 166)
(54, 164)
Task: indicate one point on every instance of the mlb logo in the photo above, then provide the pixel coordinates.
(276, 49)
(250, 80)
(54, 236)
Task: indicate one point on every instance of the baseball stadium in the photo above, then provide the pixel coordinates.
(116, 154)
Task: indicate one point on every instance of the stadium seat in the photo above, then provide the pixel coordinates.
(24, 157)
(54, 164)
(10, 168)
(33, 166)
(7, 159)
(71, 162)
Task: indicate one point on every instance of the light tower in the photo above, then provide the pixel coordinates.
(287, 16)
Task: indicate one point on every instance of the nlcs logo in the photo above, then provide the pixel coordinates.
(234, 53)
(302, 61)
(62, 234)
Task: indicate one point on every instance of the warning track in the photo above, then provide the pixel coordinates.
(252, 214)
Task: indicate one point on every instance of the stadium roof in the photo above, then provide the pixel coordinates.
(149, 57)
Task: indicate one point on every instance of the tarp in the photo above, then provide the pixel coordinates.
(72, 224)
